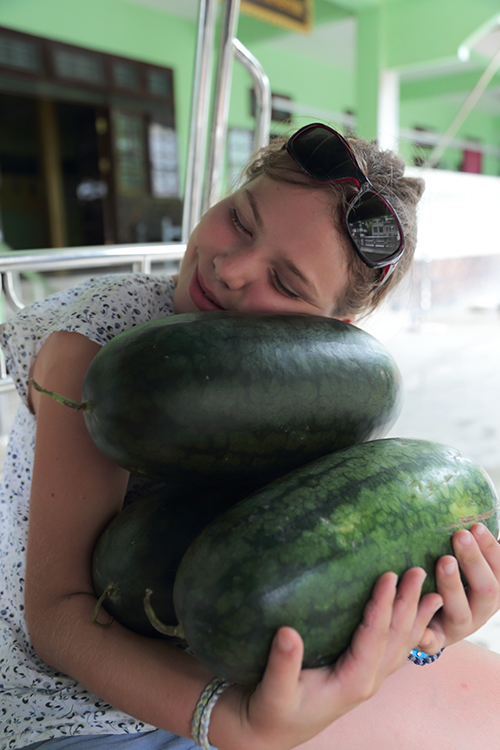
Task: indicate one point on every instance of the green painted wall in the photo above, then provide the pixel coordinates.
(107, 25)
(421, 32)
(370, 60)
(143, 33)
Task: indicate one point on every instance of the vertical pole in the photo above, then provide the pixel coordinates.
(220, 112)
(200, 108)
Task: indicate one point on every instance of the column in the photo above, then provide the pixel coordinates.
(388, 110)
(52, 171)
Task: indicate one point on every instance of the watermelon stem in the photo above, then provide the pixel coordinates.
(175, 631)
(78, 405)
(110, 590)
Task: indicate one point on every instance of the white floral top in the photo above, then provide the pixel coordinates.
(36, 702)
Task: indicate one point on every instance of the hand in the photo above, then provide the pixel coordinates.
(465, 609)
(291, 705)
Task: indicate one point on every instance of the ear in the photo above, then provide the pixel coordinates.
(344, 320)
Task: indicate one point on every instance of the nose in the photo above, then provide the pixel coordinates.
(237, 268)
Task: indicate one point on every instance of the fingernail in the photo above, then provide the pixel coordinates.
(450, 568)
(284, 643)
(465, 539)
(480, 528)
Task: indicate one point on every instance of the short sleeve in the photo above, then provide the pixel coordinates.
(99, 309)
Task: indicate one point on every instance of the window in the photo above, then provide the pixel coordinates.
(130, 152)
(164, 161)
(126, 76)
(159, 82)
(239, 150)
(78, 66)
(57, 64)
(19, 54)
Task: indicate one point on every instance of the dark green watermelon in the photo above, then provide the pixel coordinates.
(211, 397)
(307, 550)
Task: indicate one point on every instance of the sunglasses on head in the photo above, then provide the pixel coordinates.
(371, 222)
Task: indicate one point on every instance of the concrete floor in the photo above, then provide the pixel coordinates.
(450, 362)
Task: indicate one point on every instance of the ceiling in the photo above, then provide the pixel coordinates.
(333, 41)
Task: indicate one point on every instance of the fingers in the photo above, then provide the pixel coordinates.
(421, 632)
(412, 613)
(450, 586)
(284, 664)
(478, 554)
(378, 612)
(476, 559)
(393, 622)
(465, 609)
(379, 646)
(377, 616)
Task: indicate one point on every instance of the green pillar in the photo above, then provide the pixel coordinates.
(370, 60)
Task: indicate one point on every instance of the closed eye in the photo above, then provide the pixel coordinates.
(237, 223)
(282, 288)
(275, 279)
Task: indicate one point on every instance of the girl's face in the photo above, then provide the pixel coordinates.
(270, 247)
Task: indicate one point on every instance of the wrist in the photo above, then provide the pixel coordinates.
(203, 711)
(228, 721)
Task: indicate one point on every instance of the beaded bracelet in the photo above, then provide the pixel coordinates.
(421, 658)
(203, 711)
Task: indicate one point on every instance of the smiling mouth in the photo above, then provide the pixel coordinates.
(201, 298)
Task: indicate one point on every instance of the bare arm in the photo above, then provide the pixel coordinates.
(75, 492)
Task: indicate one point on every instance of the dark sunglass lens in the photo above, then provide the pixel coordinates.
(323, 155)
(374, 228)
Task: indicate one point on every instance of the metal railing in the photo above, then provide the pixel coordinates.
(140, 258)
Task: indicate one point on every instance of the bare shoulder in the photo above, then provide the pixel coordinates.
(64, 357)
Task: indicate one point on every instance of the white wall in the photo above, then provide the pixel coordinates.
(459, 215)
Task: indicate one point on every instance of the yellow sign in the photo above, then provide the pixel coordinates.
(289, 14)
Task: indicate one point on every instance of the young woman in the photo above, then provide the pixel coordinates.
(297, 237)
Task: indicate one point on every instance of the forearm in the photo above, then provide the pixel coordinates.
(147, 678)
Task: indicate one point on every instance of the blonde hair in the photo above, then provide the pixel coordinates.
(385, 170)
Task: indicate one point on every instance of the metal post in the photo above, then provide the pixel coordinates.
(200, 108)
(263, 96)
(220, 112)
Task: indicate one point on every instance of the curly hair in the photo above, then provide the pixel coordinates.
(385, 170)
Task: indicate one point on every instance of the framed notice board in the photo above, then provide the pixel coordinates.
(289, 14)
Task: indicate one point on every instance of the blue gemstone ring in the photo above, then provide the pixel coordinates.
(421, 658)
